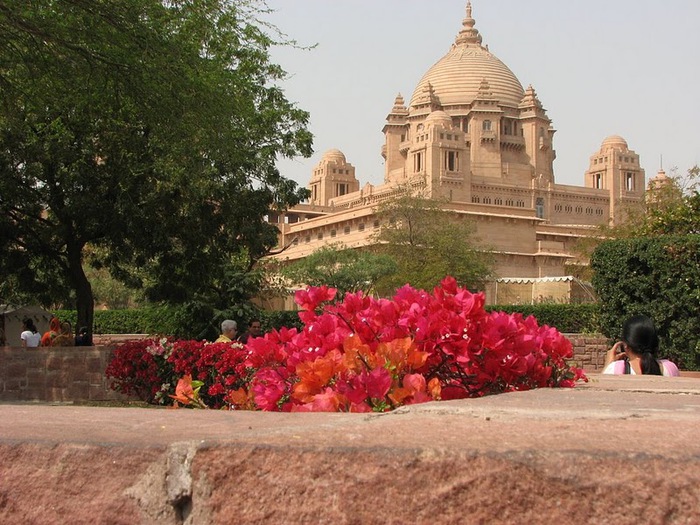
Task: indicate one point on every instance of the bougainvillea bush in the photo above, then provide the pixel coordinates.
(356, 355)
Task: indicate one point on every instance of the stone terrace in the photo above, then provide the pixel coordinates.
(619, 450)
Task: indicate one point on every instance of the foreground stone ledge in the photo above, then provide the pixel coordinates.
(617, 450)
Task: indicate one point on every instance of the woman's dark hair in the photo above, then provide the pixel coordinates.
(29, 325)
(639, 333)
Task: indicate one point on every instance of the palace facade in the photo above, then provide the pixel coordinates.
(474, 138)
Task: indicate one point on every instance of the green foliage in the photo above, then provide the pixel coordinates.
(146, 130)
(346, 269)
(171, 320)
(428, 243)
(155, 320)
(567, 318)
(658, 277)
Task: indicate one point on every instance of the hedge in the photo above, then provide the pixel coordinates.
(567, 318)
(658, 277)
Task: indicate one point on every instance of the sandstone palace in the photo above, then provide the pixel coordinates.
(474, 138)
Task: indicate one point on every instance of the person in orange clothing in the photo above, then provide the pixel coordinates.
(54, 330)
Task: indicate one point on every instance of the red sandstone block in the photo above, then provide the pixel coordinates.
(78, 391)
(15, 369)
(54, 362)
(15, 384)
(35, 377)
(95, 364)
(58, 379)
(96, 379)
(55, 394)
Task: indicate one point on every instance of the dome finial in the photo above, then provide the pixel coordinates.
(468, 34)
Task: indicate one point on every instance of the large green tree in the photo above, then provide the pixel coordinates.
(338, 266)
(428, 243)
(148, 129)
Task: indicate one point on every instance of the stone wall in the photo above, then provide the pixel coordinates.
(589, 351)
(55, 374)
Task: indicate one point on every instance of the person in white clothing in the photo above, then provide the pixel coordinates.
(30, 336)
(637, 351)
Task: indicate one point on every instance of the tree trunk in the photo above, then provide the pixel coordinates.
(85, 303)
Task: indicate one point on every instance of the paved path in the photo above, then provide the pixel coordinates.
(616, 450)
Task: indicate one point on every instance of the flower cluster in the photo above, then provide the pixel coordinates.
(363, 354)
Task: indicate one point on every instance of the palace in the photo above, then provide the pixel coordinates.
(473, 138)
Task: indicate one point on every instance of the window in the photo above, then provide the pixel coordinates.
(598, 181)
(361, 227)
(539, 208)
(341, 189)
(376, 224)
(475, 199)
(509, 202)
(307, 239)
(452, 160)
(498, 202)
(332, 233)
(418, 162)
(486, 126)
(319, 236)
(629, 181)
(487, 200)
(346, 230)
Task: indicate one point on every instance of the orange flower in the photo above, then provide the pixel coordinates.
(434, 388)
(315, 375)
(184, 393)
(402, 354)
(237, 397)
(354, 352)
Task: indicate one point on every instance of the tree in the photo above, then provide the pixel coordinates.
(427, 243)
(346, 269)
(658, 276)
(147, 129)
(670, 208)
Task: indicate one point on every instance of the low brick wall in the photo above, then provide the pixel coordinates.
(589, 351)
(56, 374)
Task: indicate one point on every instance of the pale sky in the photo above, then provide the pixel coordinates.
(599, 67)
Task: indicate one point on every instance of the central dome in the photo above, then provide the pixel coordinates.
(456, 78)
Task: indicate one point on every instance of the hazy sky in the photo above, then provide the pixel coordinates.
(600, 68)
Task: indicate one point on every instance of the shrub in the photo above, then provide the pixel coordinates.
(360, 355)
(567, 318)
(658, 277)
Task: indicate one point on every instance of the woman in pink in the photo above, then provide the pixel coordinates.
(637, 352)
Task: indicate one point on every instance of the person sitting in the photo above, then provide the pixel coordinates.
(65, 338)
(228, 331)
(636, 353)
(53, 331)
(254, 329)
(82, 339)
(30, 336)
